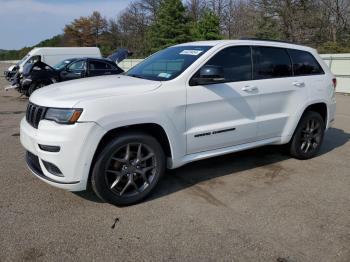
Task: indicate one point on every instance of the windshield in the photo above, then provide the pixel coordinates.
(23, 59)
(62, 64)
(168, 63)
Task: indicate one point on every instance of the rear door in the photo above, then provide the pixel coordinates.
(223, 114)
(309, 72)
(281, 93)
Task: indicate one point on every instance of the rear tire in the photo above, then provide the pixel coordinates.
(308, 136)
(128, 169)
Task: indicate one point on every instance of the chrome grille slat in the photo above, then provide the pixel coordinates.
(34, 114)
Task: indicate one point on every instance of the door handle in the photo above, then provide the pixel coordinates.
(298, 84)
(250, 89)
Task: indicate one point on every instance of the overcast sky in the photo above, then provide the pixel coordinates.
(27, 22)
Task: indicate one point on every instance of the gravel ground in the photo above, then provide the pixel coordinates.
(258, 205)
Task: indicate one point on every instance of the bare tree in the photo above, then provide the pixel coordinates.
(195, 8)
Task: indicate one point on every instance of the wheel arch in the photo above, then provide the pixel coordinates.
(317, 106)
(320, 107)
(153, 129)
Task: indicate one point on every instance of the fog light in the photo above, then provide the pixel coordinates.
(51, 168)
(50, 148)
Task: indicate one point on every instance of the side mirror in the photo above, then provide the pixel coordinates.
(207, 75)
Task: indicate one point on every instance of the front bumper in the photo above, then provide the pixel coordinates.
(77, 145)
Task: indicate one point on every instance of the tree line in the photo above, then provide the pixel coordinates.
(146, 26)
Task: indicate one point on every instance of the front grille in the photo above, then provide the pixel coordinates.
(34, 114)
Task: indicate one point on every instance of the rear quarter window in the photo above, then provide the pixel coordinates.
(304, 63)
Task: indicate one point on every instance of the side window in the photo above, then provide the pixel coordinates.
(98, 65)
(78, 66)
(34, 59)
(271, 62)
(304, 63)
(236, 63)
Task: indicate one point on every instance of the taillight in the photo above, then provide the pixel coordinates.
(334, 82)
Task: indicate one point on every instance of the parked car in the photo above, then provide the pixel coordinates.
(11, 71)
(51, 56)
(185, 103)
(39, 74)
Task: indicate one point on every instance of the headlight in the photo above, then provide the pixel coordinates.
(63, 116)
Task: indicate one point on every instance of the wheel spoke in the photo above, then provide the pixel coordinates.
(147, 157)
(308, 127)
(143, 175)
(114, 172)
(312, 125)
(120, 160)
(317, 126)
(303, 145)
(127, 153)
(116, 181)
(146, 169)
(125, 187)
(307, 147)
(132, 182)
(139, 156)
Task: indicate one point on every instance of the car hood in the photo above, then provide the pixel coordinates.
(67, 94)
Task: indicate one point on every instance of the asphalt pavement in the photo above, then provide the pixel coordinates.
(257, 205)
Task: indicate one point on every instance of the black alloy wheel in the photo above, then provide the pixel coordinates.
(308, 136)
(128, 169)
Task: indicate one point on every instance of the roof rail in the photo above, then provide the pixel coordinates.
(268, 40)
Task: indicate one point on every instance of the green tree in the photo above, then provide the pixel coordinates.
(171, 26)
(208, 27)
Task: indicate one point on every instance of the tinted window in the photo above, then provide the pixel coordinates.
(62, 64)
(270, 62)
(78, 66)
(236, 63)
(98, 65)
(304, 63)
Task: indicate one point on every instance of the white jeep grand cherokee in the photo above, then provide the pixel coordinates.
(184, 103)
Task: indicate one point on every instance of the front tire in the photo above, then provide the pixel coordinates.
(308, 136)
(31, 89)
(128, 169)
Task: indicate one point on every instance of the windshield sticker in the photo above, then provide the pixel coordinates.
(191, 52)
(164, 75)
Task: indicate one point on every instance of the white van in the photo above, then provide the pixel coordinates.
(54, 55)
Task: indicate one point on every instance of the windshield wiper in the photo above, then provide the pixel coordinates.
(136, 76)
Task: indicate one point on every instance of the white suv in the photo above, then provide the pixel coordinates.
(184, 103)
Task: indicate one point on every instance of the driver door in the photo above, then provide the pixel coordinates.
(75, 70)
(223, 114)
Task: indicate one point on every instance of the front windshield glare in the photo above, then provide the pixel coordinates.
(23, 59)
(168, 63)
